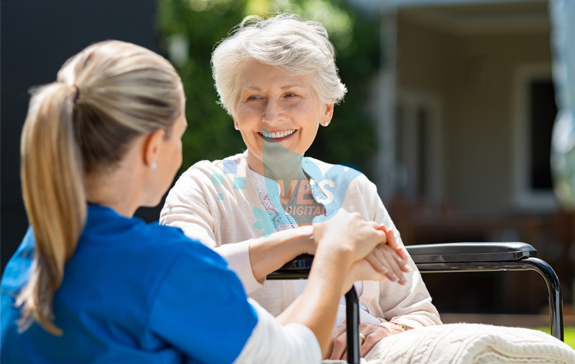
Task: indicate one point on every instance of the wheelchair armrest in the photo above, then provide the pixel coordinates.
(470, 252)
(300, 262)
(297, 268)
(432, 253)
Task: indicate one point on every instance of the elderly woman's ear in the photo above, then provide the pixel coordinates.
(328, 114)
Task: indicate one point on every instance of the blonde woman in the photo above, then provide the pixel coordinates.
(92, 284)
(278, 80)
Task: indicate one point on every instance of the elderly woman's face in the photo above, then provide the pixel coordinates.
(279, 105)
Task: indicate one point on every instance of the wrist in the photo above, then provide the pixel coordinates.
(401, 326)
(341, 256)
(307, 243)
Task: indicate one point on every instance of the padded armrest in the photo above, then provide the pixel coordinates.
(435, 253)
(470, 252)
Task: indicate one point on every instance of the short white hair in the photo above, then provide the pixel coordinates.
(286, 41)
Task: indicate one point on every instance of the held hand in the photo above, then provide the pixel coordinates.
(348, 231)
(392, 242)
(387, 261)
(373, 334)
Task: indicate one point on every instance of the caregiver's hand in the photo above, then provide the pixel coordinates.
(349, 232)
(373, 334)
(361, 270)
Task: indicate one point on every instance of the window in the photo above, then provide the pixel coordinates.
(535, 112)
(418, 147)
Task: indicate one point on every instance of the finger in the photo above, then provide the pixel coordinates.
(376, 264)
(380, 255)
(392, 242)
(380, 231)
(329, 349)
(399, 253)
(395, 274)
(369, 343)
(403, 264)
(395, 264)
(339, 346)
(340, 329)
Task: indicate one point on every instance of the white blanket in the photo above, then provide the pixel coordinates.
(469, 344)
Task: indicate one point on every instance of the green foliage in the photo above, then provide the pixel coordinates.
(191, 29)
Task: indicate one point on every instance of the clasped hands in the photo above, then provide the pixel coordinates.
(377, 255)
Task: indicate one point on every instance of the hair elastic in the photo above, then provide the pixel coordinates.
(77, 96)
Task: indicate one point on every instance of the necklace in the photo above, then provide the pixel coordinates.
(288, 207)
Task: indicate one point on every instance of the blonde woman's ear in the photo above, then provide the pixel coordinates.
(151, 148)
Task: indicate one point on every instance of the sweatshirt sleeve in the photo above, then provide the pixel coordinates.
(270, 342)
(187, 207)
(408, 304)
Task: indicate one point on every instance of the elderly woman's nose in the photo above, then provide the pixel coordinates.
(272, 112)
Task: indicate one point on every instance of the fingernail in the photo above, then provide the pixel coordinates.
(407, 268)
(393, 278)
(402, 280)
(383, 269)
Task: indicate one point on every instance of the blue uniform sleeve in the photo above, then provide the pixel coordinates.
(201, 307)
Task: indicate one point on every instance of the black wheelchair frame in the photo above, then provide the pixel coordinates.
(448, 258)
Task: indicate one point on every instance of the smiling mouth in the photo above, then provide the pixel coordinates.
(279, 135)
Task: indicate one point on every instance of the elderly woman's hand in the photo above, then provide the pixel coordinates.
(372, 333)
(390, 259)
(387, 258)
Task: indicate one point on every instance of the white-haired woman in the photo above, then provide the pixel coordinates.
(278, 80)
(92, 284)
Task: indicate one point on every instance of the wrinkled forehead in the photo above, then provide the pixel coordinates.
(258, 76)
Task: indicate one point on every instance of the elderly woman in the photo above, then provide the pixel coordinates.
(278, 80)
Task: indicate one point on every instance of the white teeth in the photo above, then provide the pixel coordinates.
(280, 134)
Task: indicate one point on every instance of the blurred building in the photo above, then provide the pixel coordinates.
(466, 106)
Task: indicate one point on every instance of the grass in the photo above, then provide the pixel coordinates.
(569, 335)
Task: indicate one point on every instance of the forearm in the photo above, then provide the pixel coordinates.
(271, 253)
(317, 307)
(271, 342)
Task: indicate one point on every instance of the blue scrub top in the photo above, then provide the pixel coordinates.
(132, 293)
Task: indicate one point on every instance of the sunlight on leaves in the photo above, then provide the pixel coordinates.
(336, 21)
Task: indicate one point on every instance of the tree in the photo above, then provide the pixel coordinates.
(190, 29)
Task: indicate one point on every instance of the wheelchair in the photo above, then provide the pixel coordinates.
(447, 258)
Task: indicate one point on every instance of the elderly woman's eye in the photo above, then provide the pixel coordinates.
(290, 95)
(252, 98)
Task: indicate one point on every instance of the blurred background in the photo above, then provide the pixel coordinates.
(450, 111)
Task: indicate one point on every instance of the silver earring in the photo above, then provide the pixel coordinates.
(236, 127)
(154, 165)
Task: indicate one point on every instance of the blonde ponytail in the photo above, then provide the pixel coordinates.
(52, 185)
(106, 96)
